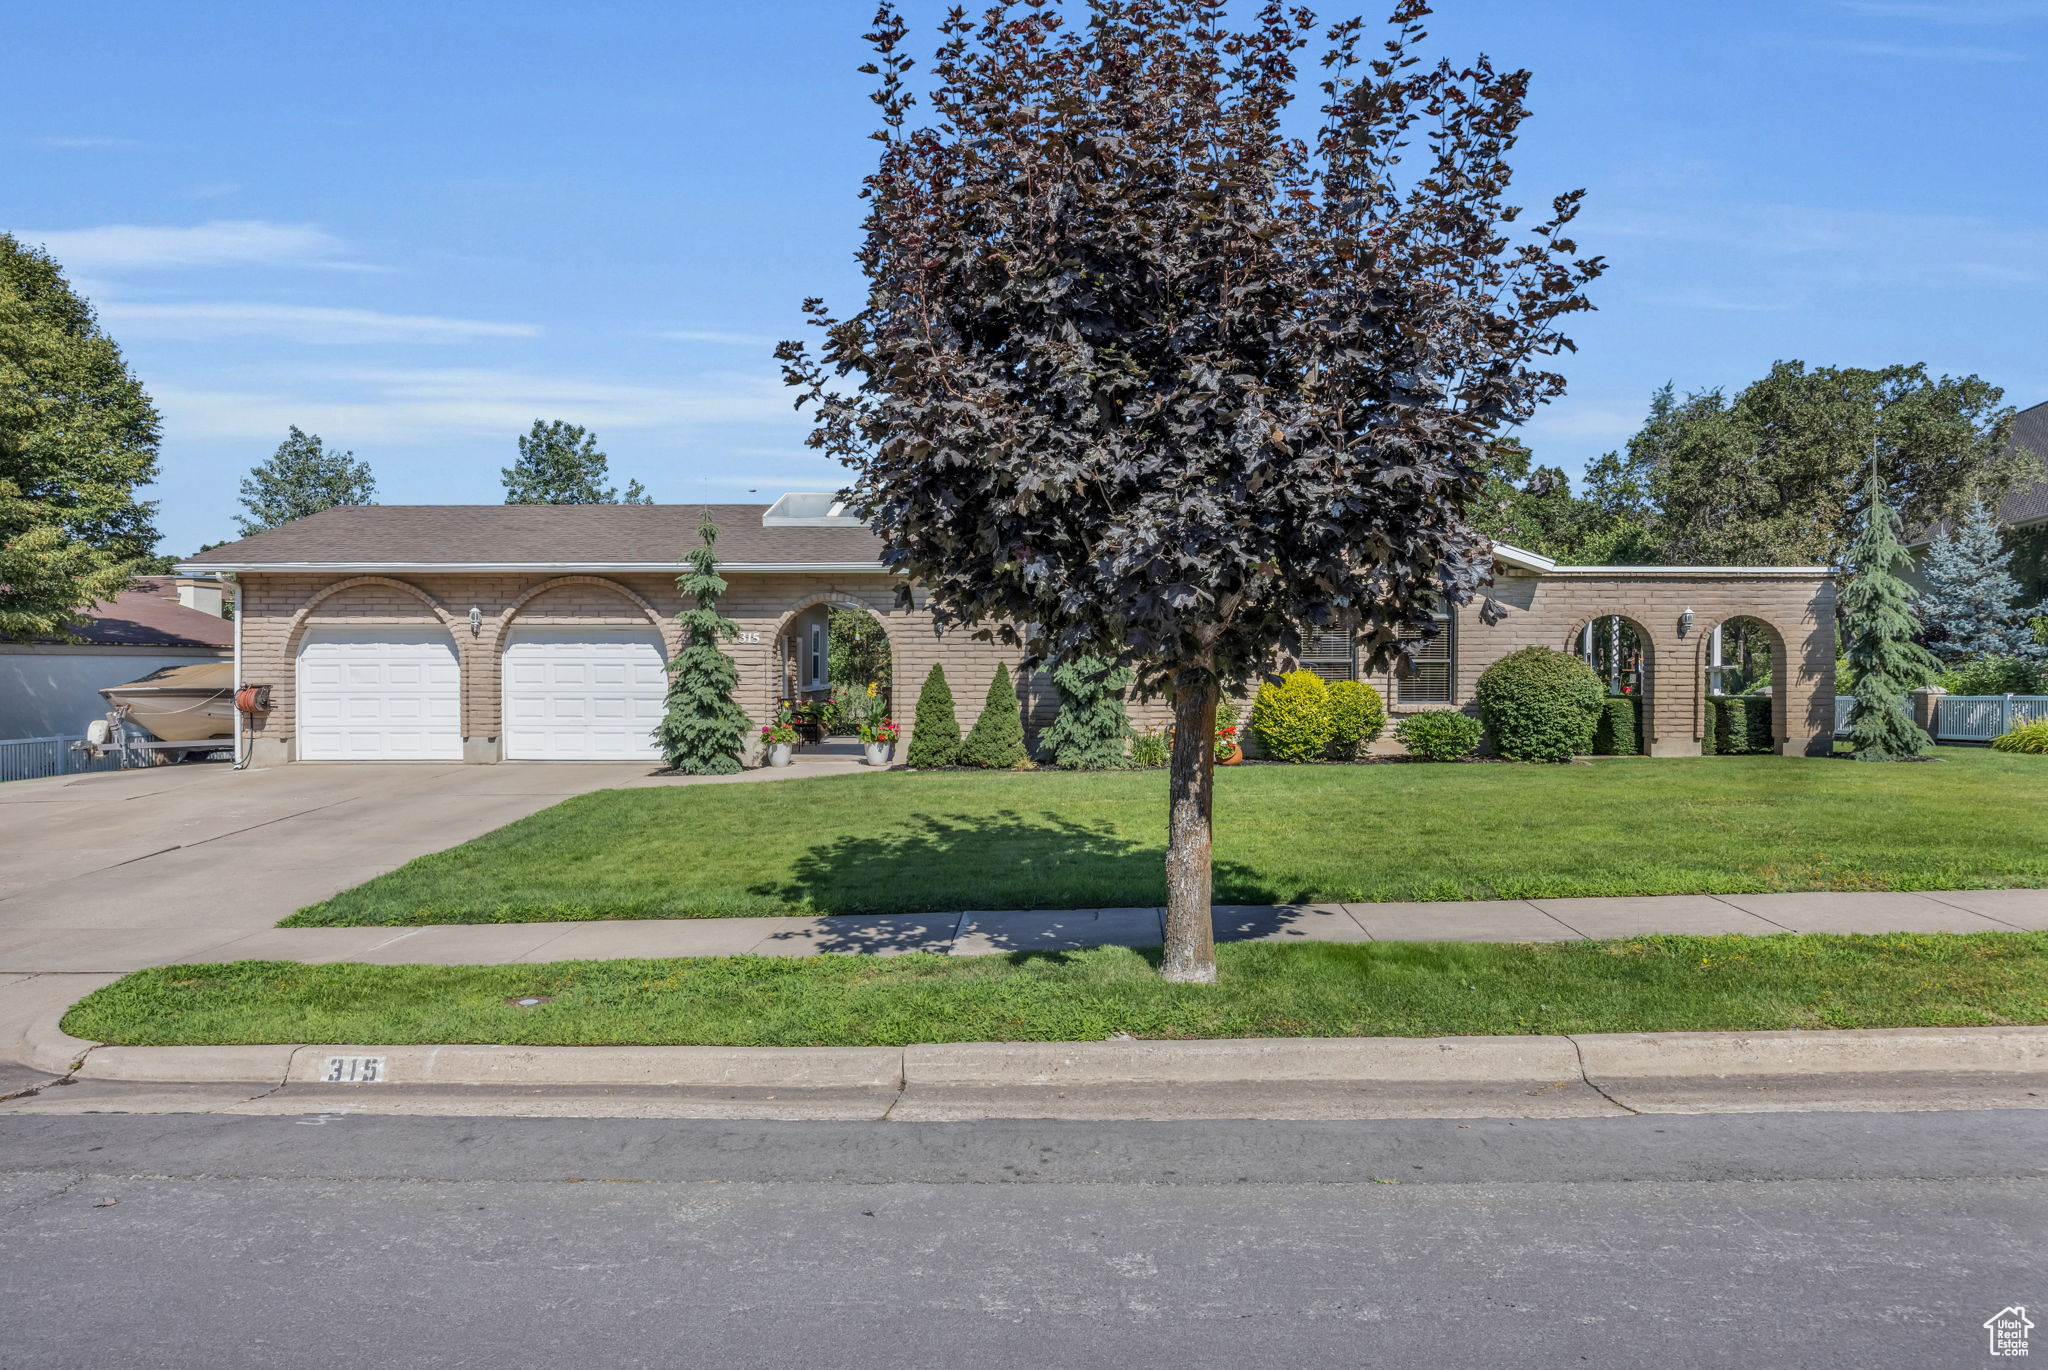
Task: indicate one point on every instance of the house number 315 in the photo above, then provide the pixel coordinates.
(750, 637)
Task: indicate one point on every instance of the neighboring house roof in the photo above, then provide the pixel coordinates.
(618, 537)
(2029, 503)
(149, 615)
(643, 537)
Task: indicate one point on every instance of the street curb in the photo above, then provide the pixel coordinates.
(1617, 1058)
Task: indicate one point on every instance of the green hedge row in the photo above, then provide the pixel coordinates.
(1619, 729)
(1739, 725)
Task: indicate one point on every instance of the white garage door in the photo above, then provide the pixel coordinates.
(379, 694)
(581, 694)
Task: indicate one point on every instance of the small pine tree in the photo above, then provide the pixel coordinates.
(1887, 662)
(935, 735)
(1092, 732)
(996, 741)
(703, 727)
(1971, 603)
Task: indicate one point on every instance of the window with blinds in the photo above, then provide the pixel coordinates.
(1425, 678)
(1330, 655)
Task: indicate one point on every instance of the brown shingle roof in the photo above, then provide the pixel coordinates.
(539, 534)
(150, 616)
(2028, 503)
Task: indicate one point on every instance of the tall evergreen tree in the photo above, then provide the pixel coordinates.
(703, 727)
(302, 477)
(1092, 732)
(935, 735)
(77, 435)
(996, 741)
(559, 463)
(1970, 605)
(1887, 662)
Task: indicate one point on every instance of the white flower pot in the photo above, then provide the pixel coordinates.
(878, 753)
(778, 754)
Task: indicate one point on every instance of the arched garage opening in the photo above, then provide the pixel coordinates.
(583, 674)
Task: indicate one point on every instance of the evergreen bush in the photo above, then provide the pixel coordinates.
(996, 741)
(935, 734)
(1740, 725)
(1540, 704)
(1877, 604)
(1439, 734)
(1710, 735)
(702, 728)
(1291, 718)
(1357, 718)
(1091, 732)
(2030, 739)
(1619, 729)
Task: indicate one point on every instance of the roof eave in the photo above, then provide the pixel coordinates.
(372, 568)
(1544, 566)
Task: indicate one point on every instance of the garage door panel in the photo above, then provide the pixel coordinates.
(580, 694)
(379, 694)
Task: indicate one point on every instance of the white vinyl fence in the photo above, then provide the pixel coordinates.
(32, 758)
(1966, 718)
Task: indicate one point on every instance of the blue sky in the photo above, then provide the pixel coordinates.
(415, 228)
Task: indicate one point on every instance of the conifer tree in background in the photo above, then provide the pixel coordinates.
(302, 477)
(1886, 660)
(1092, 731)
(78, 435)
(996, 741)
(935, 735)
(1971, 602)
(559, 464)
(703, 728)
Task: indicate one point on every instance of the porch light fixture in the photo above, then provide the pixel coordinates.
(476, 621)
(1685, 621)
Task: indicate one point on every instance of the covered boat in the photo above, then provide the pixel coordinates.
(180, 703)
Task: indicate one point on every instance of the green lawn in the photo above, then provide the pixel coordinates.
(1409, 989)
(907, 843)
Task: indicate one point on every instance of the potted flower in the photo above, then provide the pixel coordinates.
(778, 737)
(1228, 752)
(879, 734)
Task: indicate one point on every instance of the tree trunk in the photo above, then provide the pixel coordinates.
(1190, 957)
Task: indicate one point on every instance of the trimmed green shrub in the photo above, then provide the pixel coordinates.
(1291, 719)
(1357, 717)
(2030, 739)
(935, 735)
(1540, 704)
(1740, 725)
(1149, 750)
(1439, 734)
(996, 741)
(1619, 730)
(1092, 732)
(1992, 675)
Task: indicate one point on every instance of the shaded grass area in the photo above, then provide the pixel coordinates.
(914, 843)
(1408, 989)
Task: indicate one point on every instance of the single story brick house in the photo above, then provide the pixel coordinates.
(491, 633)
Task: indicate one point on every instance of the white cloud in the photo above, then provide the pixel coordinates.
(708, 335)
(1928, 52)
(201, 322)
(406, 406)
(219, 242)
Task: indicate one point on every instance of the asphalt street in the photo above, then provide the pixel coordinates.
(1795, 1240)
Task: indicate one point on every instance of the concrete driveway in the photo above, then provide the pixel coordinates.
(133, 868)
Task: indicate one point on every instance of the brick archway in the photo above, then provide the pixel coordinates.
(1646, 644)
(1782, 729)
(836, 599)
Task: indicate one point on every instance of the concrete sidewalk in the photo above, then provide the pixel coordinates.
(983, 932)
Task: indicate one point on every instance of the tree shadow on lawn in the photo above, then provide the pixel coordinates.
(900, 889)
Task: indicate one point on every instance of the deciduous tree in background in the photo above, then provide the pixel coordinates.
(302, 477)
(1887, 662)
(559, 463)
(78, 435)
(703, 727)
(1141, 376)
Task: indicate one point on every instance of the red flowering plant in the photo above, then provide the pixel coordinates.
(883, 731)
(782, 732)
